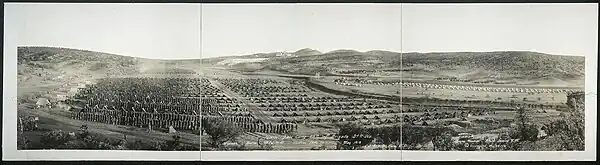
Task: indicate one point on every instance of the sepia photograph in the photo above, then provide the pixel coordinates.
(300, 81)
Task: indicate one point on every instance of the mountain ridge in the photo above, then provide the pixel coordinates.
(493, 64)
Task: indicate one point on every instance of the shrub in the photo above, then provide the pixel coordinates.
(443, 142)
(220, 131)
(55, 139)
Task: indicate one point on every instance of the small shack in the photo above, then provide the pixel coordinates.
(43, 102)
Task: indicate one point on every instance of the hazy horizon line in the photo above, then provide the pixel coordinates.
(240, 55)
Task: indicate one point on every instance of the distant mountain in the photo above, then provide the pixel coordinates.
(343, 51)
(307, 52)
(500, 65)
(516, 63)
(48, 60)
(35, 64)
(473, 65)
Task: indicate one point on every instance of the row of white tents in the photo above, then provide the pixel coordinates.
(489, 89)
(466, 87)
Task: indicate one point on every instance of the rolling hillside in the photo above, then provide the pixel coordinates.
(41, 69)
(506, 65)
(48, 65)
(51, 63)
(510, 63)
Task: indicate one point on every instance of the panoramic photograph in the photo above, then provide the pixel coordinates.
(302, 77)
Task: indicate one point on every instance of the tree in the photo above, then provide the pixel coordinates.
(412, 136)
(570, 129)
(220, 131)
(443, 142)
(386, 136)
(526, 131)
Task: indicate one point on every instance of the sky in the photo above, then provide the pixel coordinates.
(246, 29)
(180, 31)
(562, 29)
(160, 31)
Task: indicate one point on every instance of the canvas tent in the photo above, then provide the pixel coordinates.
(42, 102)
(172, 130)
(73, 91)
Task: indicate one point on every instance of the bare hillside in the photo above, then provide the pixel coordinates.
(44, 69)
(47, 63)
(505, 66)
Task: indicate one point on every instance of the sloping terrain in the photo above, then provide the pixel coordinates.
(307, 52)
(528, 65)
(520, 66)
(44, 69)
(61, 63)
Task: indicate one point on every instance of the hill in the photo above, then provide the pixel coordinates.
(501, 65)
(49, 63)
(45, 64)
(41, 69)
(307, 52)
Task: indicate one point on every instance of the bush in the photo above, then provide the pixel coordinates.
(174, 144)
(443, 142)
(22, 142)
(570, 130)
(220, 131)
(529, 132)
(526, 131)
(55, 139)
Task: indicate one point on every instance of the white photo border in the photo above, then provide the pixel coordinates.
(10, 151)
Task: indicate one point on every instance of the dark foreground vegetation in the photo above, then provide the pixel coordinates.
(563, 134)
(85, 140)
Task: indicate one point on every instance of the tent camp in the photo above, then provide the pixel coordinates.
(73, 91)
(43, 102)
(172, 130)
